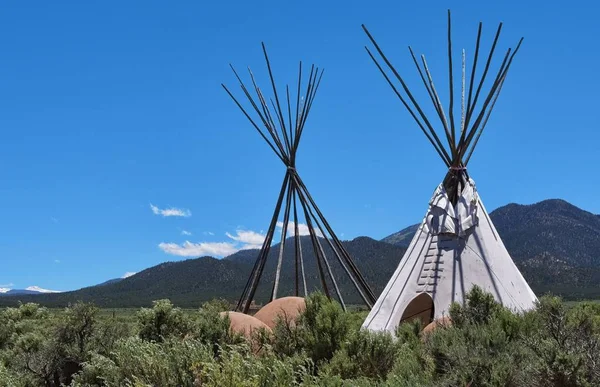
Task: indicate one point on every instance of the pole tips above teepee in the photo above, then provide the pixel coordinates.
(453, 140)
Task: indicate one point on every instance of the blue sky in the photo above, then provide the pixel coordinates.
(112, 112)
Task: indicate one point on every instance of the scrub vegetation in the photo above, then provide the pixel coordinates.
(486, 345)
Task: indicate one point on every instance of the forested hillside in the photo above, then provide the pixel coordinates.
(555, 244)
(190, 282)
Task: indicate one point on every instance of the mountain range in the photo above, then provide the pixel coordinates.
(555, 245)
(27, 290)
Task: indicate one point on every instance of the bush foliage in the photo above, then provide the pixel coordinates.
(486, 345)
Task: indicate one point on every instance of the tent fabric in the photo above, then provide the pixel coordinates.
(452, 250)
(443, 218)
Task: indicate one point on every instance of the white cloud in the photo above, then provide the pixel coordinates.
(128, 274)
(209, 233)
(41, 290)
(184, 232)
(248, 237)
(302, 229)
(240, 240)
(170, 211)
(189, 249)
(4, 290)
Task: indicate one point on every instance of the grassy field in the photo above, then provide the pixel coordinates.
(129, 313)
(571, 304)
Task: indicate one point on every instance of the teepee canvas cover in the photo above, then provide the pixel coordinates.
(453, 249)
(456, 246)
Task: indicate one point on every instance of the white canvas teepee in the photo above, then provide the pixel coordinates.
(456, 246)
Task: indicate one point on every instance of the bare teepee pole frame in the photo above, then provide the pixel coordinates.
(458, 150)
(283, 133)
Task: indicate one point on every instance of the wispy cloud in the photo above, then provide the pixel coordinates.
(53, 219)
(189, 249)
(9, 285)
(128, 274)
(184, 232)
(240, 240)
(170, 211)
(57, 261)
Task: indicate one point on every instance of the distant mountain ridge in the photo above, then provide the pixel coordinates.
(110, 281)
(555, 245)
(403, 237)
(193, 281)
(28, 290)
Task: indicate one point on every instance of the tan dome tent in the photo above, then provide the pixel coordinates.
(442, 322)
(456, 246)
(288, 308)
(244, 324)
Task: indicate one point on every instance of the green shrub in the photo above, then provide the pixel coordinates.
(287, 337)
(162, 321)
(323, 327)
(76, 329)
(479, 308)
(237, 366)
(108, 332)
(567, 342)
(138, 362)
(413, 367)
(10, 379)
(368, 354)
(209, 327)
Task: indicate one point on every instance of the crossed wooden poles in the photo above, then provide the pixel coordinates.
(284, 127)
(283, 121)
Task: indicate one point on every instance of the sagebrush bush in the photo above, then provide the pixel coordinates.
(162, 321)
(136, 361)
(365, 353)
(323, 327)
(210, 328)
(238, 366)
